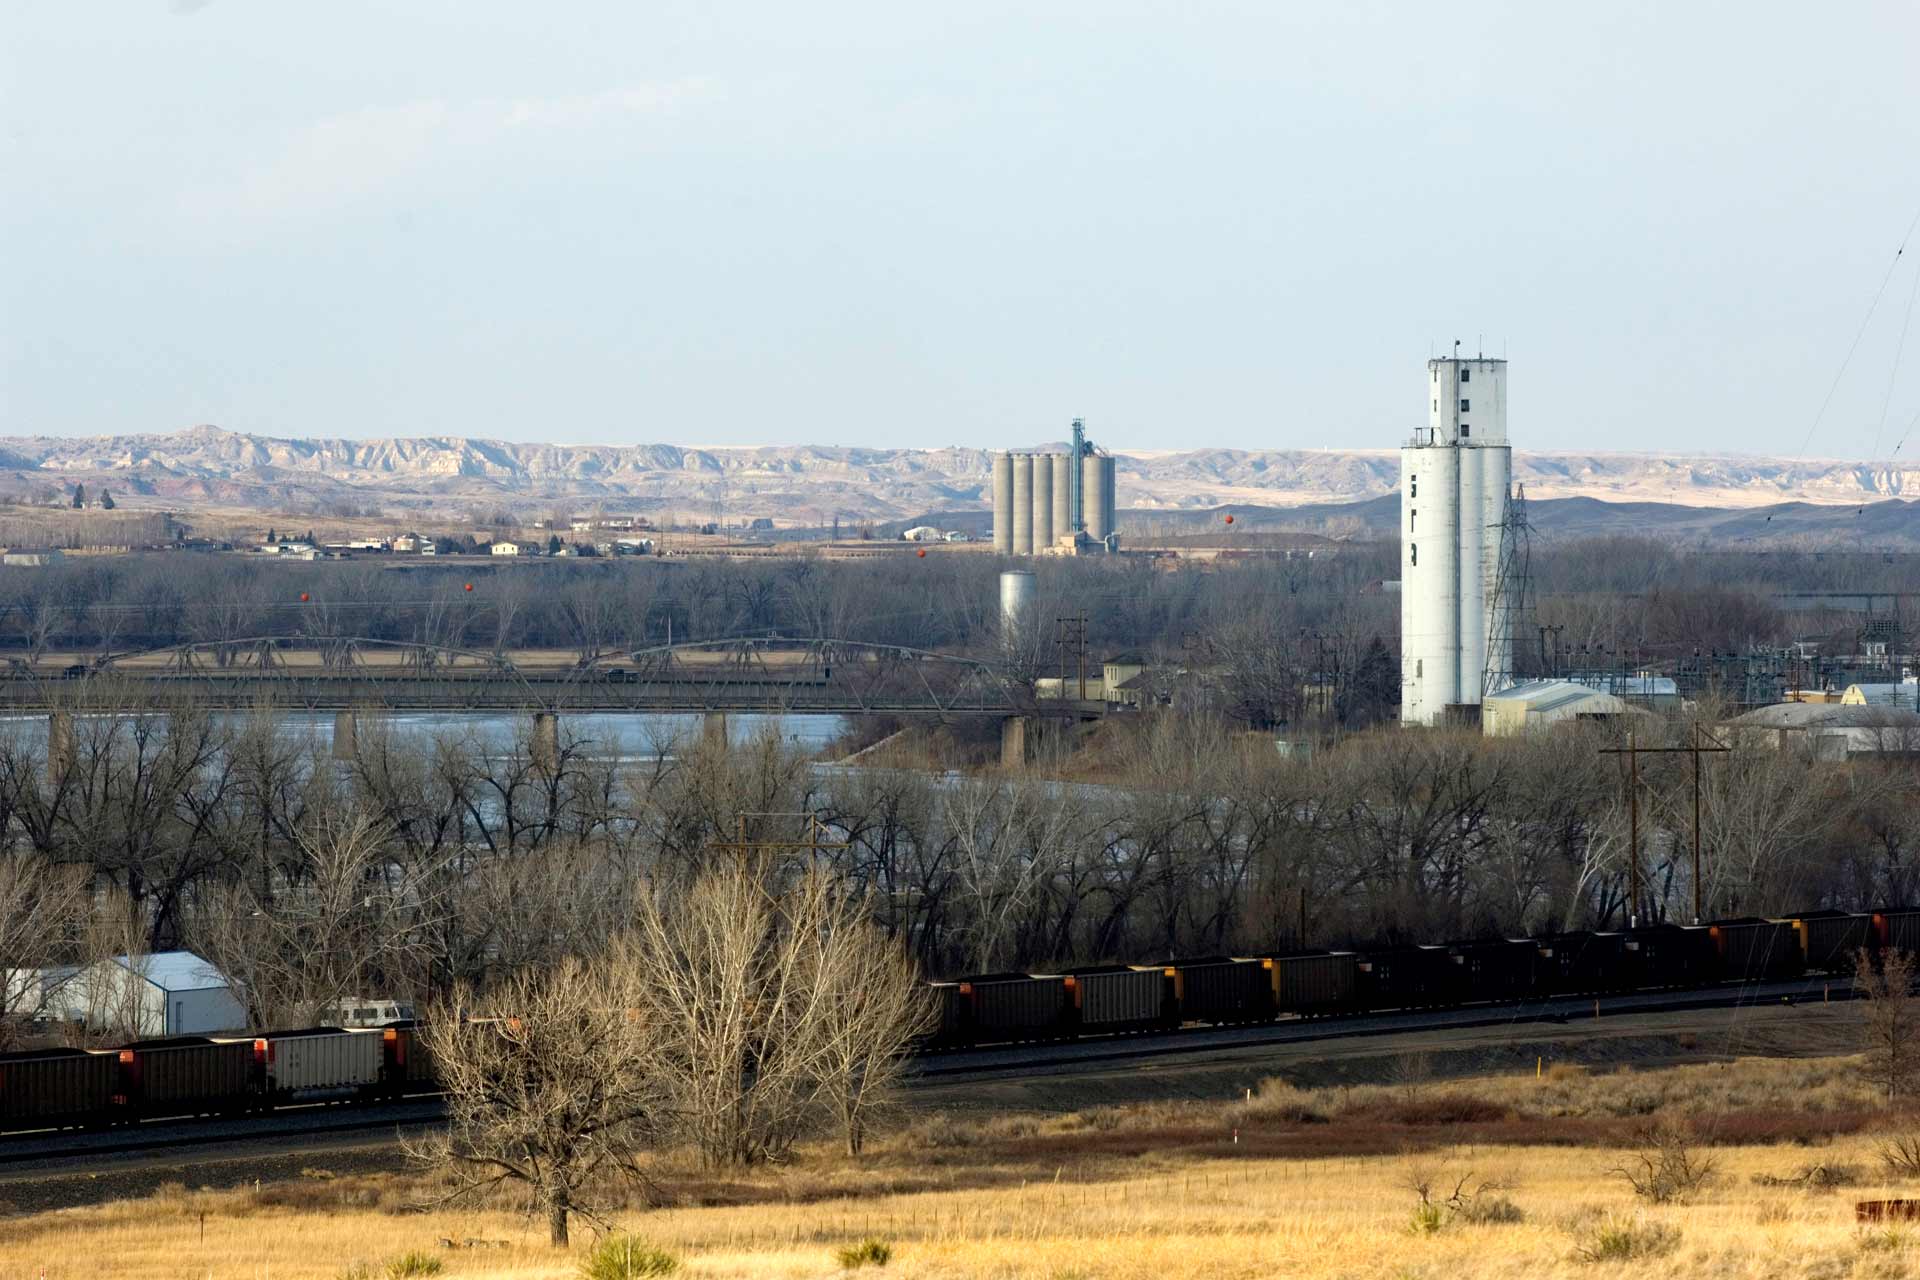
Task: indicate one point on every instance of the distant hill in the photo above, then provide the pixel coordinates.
(1887, 524)
(209, 467)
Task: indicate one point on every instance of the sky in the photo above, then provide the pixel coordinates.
(1195, 224)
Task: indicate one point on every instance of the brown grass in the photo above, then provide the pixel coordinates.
(1290, 1182)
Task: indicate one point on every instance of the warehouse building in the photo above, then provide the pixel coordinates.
(1831, 731)
(168, 993)
(1534, 705)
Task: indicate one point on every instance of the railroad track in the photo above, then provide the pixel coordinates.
(29, 1151)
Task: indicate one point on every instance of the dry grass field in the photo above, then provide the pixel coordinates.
(1308, 1183)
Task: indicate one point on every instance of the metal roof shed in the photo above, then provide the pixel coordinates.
(1535, 704)
(167, 993)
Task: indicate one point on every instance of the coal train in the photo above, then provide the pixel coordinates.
(1003, 1007)
(219, 1075)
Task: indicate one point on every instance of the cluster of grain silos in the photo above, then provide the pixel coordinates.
(1036, 496)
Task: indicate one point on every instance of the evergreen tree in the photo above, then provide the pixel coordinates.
(106, 500)
(79, 496)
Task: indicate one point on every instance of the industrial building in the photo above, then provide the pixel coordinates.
(167, 993)
(1054, 503)
(1534, 705)
(1456, 640)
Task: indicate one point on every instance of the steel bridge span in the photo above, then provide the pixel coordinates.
(353, 676)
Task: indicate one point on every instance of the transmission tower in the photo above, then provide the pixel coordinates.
(1509, 602)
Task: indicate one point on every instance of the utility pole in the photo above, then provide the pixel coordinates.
(1633, 751)
(813, 844)
(1072, 631)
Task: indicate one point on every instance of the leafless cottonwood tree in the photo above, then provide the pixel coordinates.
(342, 921)
(875, 1005)
(754, 1022)
(1891, 1026)
(43, 909)
(547, 1087)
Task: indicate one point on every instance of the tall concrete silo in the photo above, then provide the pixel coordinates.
(1016, 602)
(1111, 489)
(1097, 494)
(1023, 504)
(1003, 503)
(1042, 502)
(1455, 475)
(1063, 465)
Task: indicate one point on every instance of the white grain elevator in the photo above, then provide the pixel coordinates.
(1455, 475)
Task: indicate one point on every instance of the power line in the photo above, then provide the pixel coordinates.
(1893, 374)
(1855, 346)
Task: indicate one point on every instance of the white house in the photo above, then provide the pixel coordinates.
(168, 993)
(922, 533)
(507, 549)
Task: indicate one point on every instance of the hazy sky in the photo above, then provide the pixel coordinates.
(900, 223)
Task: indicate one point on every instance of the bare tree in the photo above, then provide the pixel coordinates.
(729, 995)
(1892, 1017)
(43, 908)
(875, 1006)
(343, 920)
(773, 1003)
(545, 1086)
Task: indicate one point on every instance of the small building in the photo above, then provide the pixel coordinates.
(31, 557)
(1904, 694)
(1533, 705)
(1831, 731)
(582, 524)
(958, 535)
(922, 533)
(1120, 668)
(1642, 688)
(168, 993)
(505, 548)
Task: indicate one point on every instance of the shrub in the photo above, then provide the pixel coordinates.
(1882, 1240)
(1621, 1238)
(622, 1257)
(413, 1263)
(1279, 1101)
(871, 1252)
(1485, 1210)
(1900, 1152)
(1668, 1166)
(1437, 1208)
(1814, 1177)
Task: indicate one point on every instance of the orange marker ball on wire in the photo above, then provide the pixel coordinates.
(469, 586)
(304, 597)
(1229, 519)
(923, 553)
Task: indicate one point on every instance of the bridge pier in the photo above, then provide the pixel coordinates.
(346, 734)
(545, 747)
(1017, 734)
(60, 745)
(713, 728)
